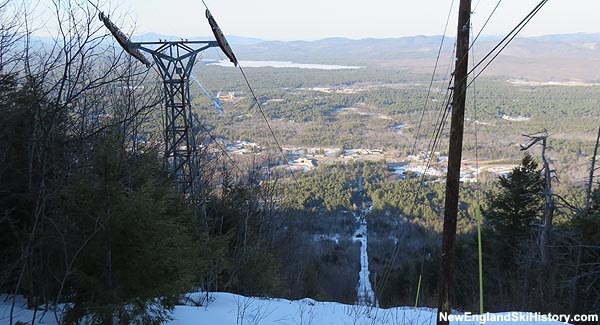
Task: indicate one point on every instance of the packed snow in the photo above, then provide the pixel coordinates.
(220, 308)
(364, 289)
(231, 309)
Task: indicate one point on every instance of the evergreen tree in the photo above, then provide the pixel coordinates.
(513, 211)
(135, 237)
(509, 235)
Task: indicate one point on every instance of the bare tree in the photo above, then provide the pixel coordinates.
(588, 189)
(78, 86)
(549, 206)
(13, 30)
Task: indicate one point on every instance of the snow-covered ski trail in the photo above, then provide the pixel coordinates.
(365, 294)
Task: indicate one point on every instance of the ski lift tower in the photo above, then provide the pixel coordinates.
(174, 61)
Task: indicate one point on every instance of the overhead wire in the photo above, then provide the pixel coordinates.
(432, 145)
(485, 24)
(504, 42)
(440, 121)
(262, 112)
(442, 117)
(443, 114)
(437, 59)
(439, 130)
(475, 122)
(472, 43)
(214, 140)
(439, 125)
(509, 37)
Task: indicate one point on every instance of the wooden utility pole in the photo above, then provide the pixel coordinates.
(454, 158)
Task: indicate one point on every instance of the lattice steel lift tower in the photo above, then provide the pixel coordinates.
(174, 61)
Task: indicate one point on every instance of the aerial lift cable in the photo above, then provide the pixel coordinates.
(262, 112)
(478, 194)
(437, 59)
(477, 166)
(214, 140)
(207, 93)
(454, 161)
(123, 40)
(174, 61)
(433, 143)
(226, 48)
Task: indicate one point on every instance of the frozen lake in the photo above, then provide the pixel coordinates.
(284, 64)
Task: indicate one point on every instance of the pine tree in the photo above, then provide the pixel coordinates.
(137, 250)
(513, 211)
(509, 235)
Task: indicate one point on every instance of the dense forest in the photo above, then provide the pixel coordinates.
(360, 108)
(92, 229)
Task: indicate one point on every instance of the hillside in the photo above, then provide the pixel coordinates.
(547, 58)
(160, 183)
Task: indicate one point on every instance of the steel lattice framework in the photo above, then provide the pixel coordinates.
(174, 61)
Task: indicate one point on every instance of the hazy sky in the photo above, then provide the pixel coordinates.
(315, 19)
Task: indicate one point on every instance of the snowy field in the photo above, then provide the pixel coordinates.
(226, 308)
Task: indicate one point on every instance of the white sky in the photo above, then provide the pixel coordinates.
(316, 19)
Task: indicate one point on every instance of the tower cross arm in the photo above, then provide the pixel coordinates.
(157, 49)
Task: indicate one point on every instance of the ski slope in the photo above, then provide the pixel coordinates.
(364, 290)
(231, 309)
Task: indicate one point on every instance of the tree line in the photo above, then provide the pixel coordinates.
(516, 275)
(91, 228)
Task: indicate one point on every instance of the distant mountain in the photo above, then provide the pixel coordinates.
(585, 40)
(342, 50)
(556, 57)
(544, 58)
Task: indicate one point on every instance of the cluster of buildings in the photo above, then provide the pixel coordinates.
(436, 166)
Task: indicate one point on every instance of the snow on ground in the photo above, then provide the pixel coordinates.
(364, 290)
(320, 237)
(231, 309)
(420, 170)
